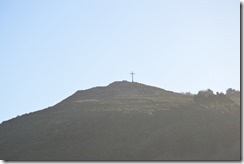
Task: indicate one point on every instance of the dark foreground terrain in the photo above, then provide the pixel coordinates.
(127, 121)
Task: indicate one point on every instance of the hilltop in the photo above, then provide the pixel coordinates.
(127, 121)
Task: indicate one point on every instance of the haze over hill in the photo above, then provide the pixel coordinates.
(128, 121)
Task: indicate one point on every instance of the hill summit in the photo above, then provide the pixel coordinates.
(127, 121)
(119, 89)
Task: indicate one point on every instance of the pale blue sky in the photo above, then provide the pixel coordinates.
(52, 48)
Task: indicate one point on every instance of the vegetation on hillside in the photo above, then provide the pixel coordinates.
(219, 101)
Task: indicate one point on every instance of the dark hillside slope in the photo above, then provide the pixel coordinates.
(123, 121)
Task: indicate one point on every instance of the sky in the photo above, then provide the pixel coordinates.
(51, 48)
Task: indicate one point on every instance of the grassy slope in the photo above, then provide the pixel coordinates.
(153, 125)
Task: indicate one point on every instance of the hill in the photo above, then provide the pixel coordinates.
(126, 121)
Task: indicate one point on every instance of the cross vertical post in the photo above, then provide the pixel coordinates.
(132, 73)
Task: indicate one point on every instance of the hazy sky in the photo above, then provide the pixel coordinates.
(51, 48)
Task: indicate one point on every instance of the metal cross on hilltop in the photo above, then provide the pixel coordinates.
(132, 73)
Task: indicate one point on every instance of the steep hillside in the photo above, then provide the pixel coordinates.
(125, 121)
